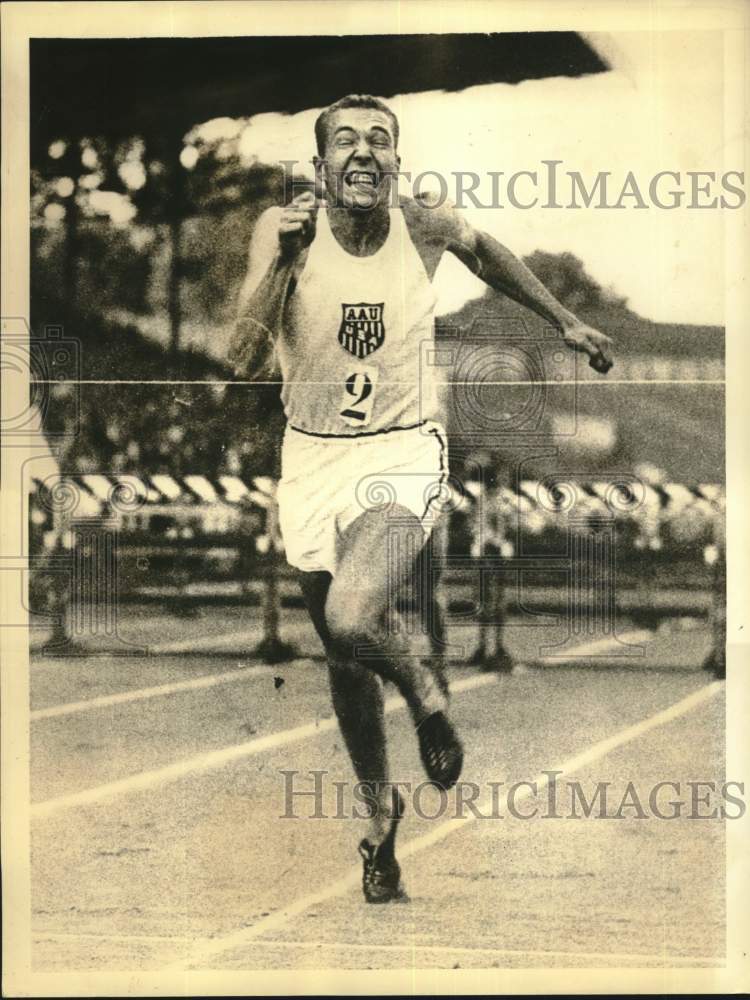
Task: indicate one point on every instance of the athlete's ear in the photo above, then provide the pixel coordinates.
(319, 165)
(320, 179)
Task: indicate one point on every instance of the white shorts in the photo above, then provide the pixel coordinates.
(326, 483)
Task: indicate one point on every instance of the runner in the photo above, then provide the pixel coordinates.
(339, 294)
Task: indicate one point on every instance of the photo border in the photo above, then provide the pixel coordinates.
(20, 21)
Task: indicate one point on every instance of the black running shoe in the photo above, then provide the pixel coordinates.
(381, 877)
(441, 750)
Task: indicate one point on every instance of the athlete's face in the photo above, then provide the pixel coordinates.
(360, 158)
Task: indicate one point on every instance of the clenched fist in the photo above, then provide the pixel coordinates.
(582, 337)
(297, 224)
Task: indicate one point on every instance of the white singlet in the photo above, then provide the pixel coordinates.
(357, 339)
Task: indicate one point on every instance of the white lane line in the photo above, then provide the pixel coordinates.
(343, 885)
(208, 642)
(428, 949)
(175, 646)
(194, 684)
(40, 936)
(179, 646)
(218, 758)
(600, 647)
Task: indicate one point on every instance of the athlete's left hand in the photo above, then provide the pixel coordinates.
(581, 337)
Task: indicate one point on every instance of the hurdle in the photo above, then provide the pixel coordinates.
(596, 520)
(162, 516)
(92, 514)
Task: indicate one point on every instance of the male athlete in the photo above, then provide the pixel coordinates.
(339, 292)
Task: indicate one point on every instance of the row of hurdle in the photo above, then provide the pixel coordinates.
(81, 518)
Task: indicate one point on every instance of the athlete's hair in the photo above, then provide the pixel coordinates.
(350, 101)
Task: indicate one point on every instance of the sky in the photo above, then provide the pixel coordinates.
(659, 108)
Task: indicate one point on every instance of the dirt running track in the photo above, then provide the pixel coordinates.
(158, 837)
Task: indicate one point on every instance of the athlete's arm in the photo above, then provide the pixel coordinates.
(275, 259)
(503, 271)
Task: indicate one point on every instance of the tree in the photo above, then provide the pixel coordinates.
(565, 276)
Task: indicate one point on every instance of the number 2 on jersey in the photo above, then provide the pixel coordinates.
(358, 398)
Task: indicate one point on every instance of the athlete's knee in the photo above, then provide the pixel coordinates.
(352, 622)
(348, 630)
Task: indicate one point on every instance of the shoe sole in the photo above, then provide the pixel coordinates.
(437, 737)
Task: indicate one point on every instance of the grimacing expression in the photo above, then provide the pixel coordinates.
(360, 157)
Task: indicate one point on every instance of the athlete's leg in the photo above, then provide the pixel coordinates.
(377, 557)
(429, 567)
(357, 695)
(354, 615)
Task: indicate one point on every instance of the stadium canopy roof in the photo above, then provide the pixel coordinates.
(159, 88)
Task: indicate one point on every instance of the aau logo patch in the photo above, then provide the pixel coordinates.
(362, 330)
